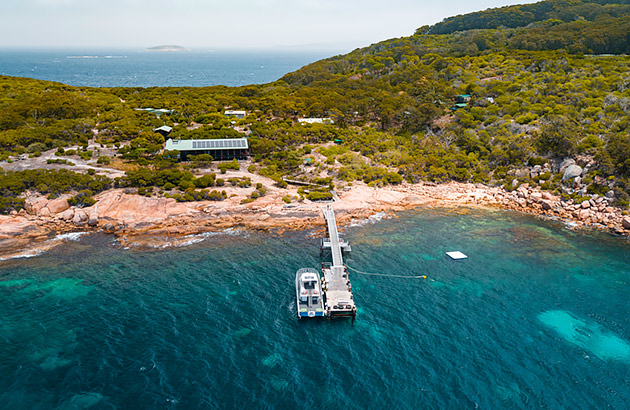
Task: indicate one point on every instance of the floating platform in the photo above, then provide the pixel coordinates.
(456, 255)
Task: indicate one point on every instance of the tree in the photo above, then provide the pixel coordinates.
(558, 136)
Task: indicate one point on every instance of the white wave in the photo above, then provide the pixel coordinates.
(47, 245)
(25, 255)
(70, 236)
(193, 239)
(233, 232)
(81, 56)
(372, 219)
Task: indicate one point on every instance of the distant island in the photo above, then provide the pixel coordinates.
(166, 49)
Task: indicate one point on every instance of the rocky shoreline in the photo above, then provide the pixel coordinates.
(156, 221)
(595, 212)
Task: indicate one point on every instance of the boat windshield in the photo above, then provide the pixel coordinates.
(309, 284)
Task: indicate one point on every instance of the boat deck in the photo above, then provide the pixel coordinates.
(309, 309)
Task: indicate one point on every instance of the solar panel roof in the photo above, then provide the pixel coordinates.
(204, 145)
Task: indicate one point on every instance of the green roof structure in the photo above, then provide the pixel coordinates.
(205, 145)
(220, 149)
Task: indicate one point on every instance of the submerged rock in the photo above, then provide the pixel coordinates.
(588, 335)
(83, 401)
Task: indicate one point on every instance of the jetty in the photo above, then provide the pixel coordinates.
(337, 290)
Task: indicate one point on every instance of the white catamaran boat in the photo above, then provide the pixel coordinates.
(309, 293)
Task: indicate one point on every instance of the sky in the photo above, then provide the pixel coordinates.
(336, 25)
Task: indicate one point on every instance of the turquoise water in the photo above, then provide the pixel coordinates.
(537, 317)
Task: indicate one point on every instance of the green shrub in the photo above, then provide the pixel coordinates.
(185, 184)
(82, 199)
(224, 166)
(205, 181)
(216, 196)
(9, 204)
(104, 160)
(526, 119)
(36, 147)
(245, 183)
(319, 196)
(281, 183)
(59, 161)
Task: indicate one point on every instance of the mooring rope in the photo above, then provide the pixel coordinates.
(388, 275)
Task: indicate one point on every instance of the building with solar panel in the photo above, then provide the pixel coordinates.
(220, 149)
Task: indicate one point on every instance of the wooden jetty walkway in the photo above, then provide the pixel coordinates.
(337, 288)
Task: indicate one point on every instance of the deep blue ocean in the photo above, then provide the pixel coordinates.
(536, 317)
(133, 68)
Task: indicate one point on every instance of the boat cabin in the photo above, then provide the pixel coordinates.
(309, 287)
(309, 294)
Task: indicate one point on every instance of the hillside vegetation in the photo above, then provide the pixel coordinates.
(540, 91)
